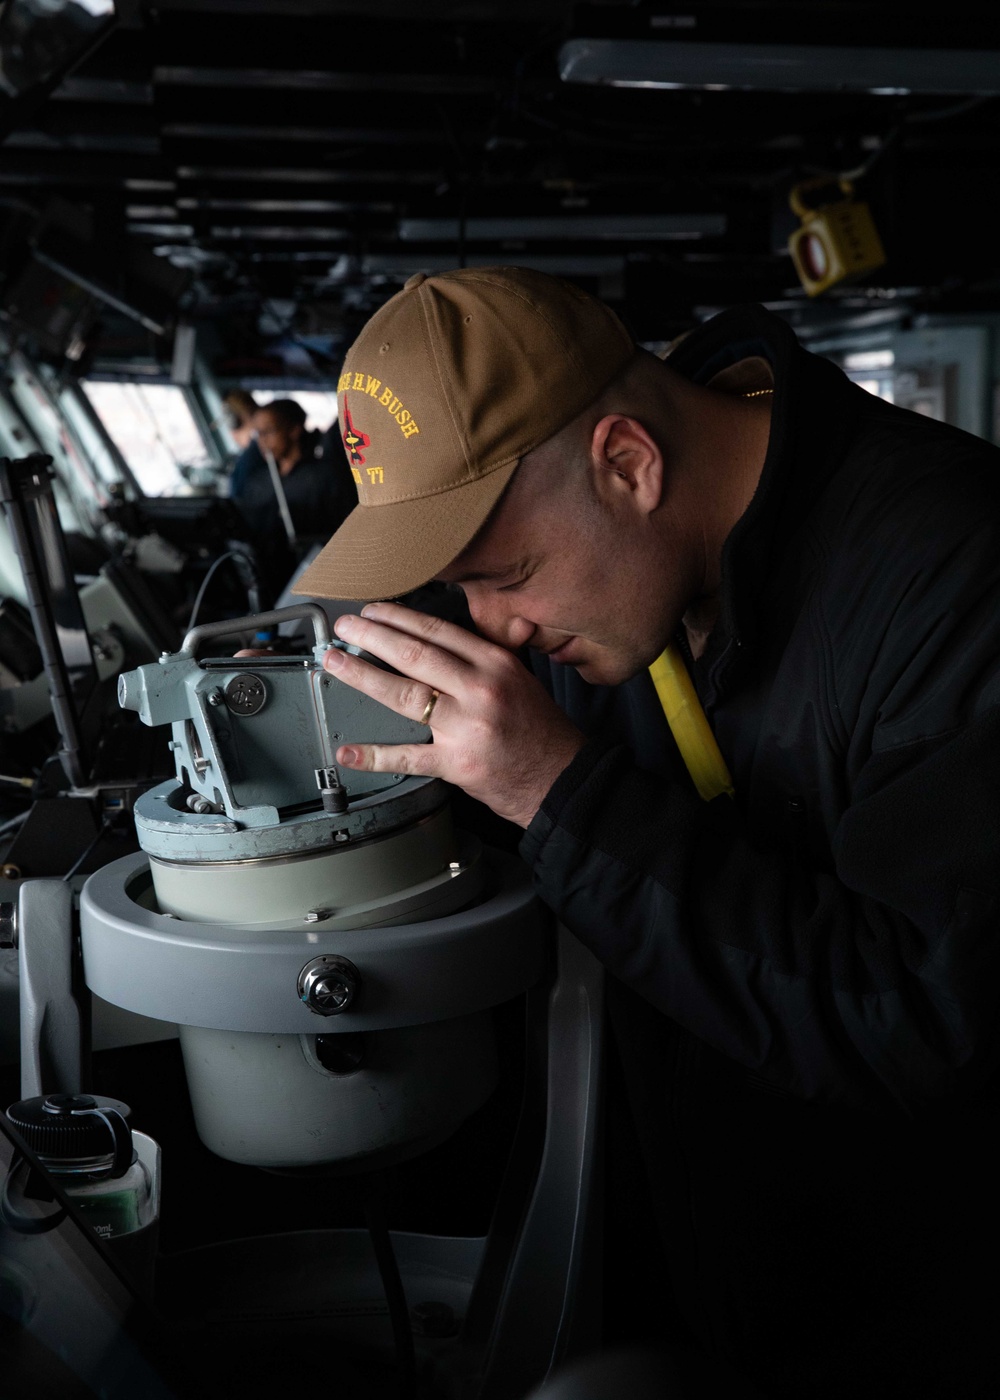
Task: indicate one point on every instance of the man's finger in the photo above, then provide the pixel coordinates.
(414, 656)
(423, 647)
(447, 635)
(422, 660)
(418, 760)
(399, 693)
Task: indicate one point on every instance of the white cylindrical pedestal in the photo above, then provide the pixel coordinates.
(267, 1100)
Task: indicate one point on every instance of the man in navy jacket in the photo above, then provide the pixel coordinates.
(823, 946)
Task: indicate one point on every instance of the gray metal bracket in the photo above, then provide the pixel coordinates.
(52, 1024)
(550, 1303)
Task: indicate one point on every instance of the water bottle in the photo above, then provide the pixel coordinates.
(110, 1173)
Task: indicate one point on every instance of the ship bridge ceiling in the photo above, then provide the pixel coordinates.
(310, 156)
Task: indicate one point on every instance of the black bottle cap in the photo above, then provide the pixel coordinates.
(66, 1125)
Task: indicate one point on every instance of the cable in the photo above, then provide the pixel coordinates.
(953, 109)
(938, 114)
(200, 595)
(14, 822)
(246, 568)
(104, 826)
(392, 1283)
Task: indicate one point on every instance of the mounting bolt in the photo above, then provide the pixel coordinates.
(215, 697)
(329, 985)
(315, 915)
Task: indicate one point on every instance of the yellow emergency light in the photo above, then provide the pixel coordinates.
(837, 241)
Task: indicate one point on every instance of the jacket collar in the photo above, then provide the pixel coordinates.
(813, 417)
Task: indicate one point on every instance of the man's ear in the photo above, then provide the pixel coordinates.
(626, 459)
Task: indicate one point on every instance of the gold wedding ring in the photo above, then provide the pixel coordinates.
(425, 718)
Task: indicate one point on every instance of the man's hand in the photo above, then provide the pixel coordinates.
(497, 733)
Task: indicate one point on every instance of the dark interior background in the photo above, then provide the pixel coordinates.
(286, 164)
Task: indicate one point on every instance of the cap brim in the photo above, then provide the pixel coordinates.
(385, 551)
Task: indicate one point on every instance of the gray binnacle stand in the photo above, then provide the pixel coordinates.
(525, 1299)
(331, 959)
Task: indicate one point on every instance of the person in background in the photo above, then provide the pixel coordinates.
(313, 490)
(240, 407)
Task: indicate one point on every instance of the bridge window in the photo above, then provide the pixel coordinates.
(155, 431)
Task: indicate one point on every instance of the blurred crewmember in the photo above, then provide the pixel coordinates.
(312, 487)
(240, 407)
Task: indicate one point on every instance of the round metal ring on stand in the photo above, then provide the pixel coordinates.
(238, 979)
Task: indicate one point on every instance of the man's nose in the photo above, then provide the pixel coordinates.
(499, 623)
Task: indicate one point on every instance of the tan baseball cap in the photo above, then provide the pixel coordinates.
(447, 387)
